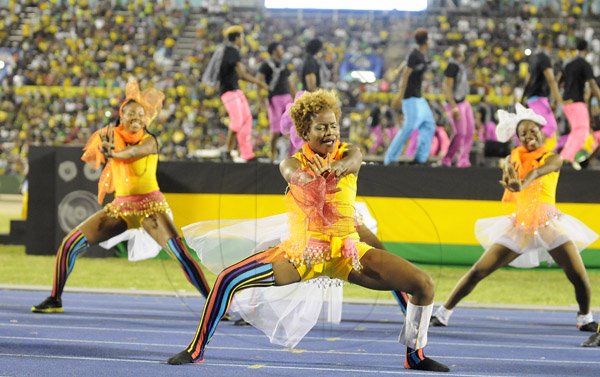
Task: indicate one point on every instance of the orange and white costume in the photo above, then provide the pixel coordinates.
(132, 181)
(537, 225)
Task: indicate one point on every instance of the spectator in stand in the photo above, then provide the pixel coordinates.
(85, 45)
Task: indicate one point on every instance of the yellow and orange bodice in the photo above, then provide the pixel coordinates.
(133, 181)
(321, 220)
(536, 204)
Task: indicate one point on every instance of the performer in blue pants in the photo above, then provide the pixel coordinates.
(417, 114)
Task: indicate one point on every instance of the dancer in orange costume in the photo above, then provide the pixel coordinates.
(323, 240)
(130, 153)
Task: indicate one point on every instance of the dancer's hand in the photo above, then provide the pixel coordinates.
(107, 135)
(510, 179)
(514, 185)
(320, 166)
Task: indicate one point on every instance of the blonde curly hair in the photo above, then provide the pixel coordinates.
(309, 105)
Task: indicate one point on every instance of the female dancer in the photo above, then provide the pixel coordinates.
(132, 155)
(536, 228)
(323, 239)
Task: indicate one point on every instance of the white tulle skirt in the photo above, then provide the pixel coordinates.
(285, 314)
(533, 247)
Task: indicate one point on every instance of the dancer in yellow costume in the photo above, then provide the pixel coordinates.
(323, 240)
(537, 230)
(131, 156)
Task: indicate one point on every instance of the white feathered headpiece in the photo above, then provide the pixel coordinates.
(507, 122)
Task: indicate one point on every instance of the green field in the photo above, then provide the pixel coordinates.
(507, 286)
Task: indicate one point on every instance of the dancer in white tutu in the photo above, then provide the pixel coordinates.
(537, 230)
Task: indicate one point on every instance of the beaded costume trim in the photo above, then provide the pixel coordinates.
(320, 251)
(142, 205)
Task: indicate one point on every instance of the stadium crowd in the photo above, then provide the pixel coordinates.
(74, 58)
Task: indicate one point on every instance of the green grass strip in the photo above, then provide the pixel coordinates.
(462, 255)
(506, 286)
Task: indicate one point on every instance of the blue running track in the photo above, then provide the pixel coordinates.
(121, 335)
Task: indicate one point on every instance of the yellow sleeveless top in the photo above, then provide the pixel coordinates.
(139, 176)
(343, 199)
(543, 191)
(535, 205)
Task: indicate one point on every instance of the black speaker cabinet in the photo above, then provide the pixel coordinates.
(62, 193)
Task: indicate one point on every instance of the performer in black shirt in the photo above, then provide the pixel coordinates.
(540, 84)
(417, 114)
(577, 73)
(230, 71)
(281, 90)
(459, 111)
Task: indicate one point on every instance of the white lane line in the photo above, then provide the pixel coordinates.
(97, 309)
(296, 351)
(480, 345)
(394, 315)
(373, 308)
(138, 320)
(576, 337)
(86, 358)
(380, 300)
(91, 328)
(300, 350)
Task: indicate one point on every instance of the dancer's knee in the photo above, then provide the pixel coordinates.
(424, 287)
(67, 241)
(225, 282)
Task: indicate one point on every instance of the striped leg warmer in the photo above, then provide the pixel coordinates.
(248, 273)
(189, 265)
(73, 244)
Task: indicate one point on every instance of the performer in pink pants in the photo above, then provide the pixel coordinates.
(287, 126)
(231, 69)
(540, 84)
(439, 144)
(240, 122)
(275, 74)
(578, 72)
(460, 113)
